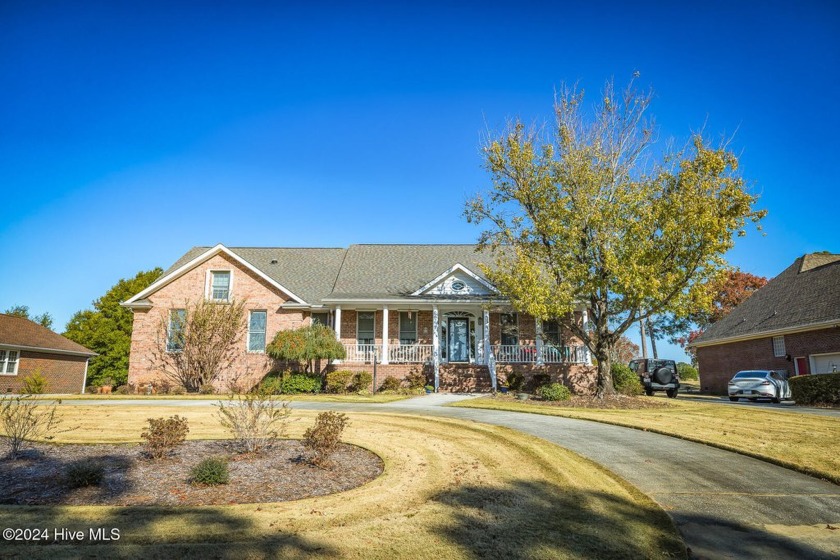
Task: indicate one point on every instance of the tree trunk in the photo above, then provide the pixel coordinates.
(652, 334)
(604, 386)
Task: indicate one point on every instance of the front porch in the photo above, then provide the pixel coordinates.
(453, 335)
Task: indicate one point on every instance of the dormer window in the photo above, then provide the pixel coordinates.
(219, 285)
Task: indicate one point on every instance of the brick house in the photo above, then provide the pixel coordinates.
(792, 324)
(27, 347)
(422, 308)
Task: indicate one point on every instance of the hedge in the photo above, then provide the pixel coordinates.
(819, 389)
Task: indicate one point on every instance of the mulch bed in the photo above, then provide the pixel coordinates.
(616, 402)
(279, 474)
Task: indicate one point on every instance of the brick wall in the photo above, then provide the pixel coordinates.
(64, 374)
(246, 286)
(719, 363)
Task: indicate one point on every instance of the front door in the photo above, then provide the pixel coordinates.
(458, 342)
(801, 366)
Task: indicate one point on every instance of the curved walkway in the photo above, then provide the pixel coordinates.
(725, 505)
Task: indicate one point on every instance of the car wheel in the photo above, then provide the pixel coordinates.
(733, 399)
(649, 392)
(776, 399)
(672, 393)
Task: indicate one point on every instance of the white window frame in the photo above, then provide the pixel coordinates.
(208, 284)
(264, 332)
(779, 346)
(169, 348)
(400, 330)
(373, 312)
(4, 362)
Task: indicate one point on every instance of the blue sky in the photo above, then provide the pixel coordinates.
(130, 132)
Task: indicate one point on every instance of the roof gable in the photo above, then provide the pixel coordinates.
(457, 281)
(176, 272)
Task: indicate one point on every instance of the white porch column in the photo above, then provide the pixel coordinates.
(585, 317)
(488, 350)
(385, 345)
(539, 331)
(436, 344)
(337, 317)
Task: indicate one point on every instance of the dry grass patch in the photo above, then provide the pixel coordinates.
(804, 442)
(450, 489)
(320, 397)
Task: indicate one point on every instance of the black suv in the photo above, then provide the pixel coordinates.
(657, 375)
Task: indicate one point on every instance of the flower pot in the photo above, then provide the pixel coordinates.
(522, 396)
(504, 390)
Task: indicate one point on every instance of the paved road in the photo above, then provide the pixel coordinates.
(725, 505)
(786, 406)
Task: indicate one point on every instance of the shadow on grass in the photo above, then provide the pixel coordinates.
(527, 520)
(153, 532)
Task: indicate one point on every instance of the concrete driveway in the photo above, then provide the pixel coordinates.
(725, 505)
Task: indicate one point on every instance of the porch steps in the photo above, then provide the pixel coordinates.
(465, 378)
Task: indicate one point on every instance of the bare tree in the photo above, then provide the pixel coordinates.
(199, 342)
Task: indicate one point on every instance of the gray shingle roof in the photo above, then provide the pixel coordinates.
(399, 270)
(805, 293)
(360, 271)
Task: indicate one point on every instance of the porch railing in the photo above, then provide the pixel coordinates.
(410, 354)
(363, 353)
(513, 354)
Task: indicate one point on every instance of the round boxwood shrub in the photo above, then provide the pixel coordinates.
(820, 389)
(210, 472)
(297, 383)
(687, 372)
(625, 381)
(390, 384)
(554, 392)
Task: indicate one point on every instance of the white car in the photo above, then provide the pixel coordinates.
(759, 384)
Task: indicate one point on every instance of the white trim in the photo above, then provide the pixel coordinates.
(413, 302)
(208, 285)
(5, 361)
(48, 350)
(538, 340)
(337, 320)
(767, 334)
(84, 379)
(248, 335)
(436, 345)
(385, 353)
(462, 268)
(183, 269)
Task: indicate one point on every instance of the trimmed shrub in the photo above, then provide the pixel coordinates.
(362, 382)
(322, 439)
(211, 471)
(415, 380)
(297, 383)
(625, 381)
(339, 381)
(85, 472)
(255, 420)
(821, 389)
(687, 372)
(554, 392)
(163, 435)
(390, 384)
(123, 390)
(515, 381)
(177, 390)
(35, 384)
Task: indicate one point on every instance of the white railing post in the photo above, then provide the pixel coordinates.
(385, 340)
(585, 319)
(489, 359)
(436, 344)
(337, 318)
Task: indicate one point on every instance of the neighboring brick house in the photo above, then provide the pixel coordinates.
(416, 307)
(792, 324)
(27, 347)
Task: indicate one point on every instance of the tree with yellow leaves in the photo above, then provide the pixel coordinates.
(589, 214)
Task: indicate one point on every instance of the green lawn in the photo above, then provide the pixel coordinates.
(804, 442)
(321, 397)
